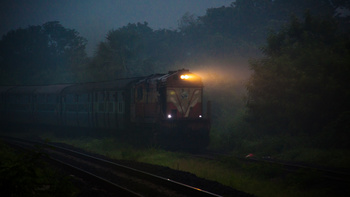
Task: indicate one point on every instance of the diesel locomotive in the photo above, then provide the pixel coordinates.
(166, 109)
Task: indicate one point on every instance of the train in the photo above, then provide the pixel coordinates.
(162, 109)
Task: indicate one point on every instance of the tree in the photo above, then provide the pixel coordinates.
(302, 83)
(41, 54)
(123, 53)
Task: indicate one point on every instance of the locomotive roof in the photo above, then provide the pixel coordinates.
(171, 77)
(150, 78)
(107, 86)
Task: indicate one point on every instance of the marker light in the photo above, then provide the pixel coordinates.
(169, 116)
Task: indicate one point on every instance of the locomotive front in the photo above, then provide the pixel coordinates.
(183, 124)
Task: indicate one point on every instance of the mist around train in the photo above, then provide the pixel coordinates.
(277, 75)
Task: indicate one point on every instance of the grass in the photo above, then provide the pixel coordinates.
(337, 158)
(27, 175)
(260, 180)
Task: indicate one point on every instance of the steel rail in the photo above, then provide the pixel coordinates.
(83, 173)
(161, 180)
(169, 183)
(120, 189)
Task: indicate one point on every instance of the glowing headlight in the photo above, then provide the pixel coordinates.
(200, 116)
(184, 76)
(169, 116)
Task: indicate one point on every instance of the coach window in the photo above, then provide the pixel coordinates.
(120, 107)
(51, 98)
(82, 99)
(50, 103)
(109, 101)
(139, 93)
(110, 107)
(115, 97)
(101, 101)
(71, 100)
(120, 102)
(41, 98)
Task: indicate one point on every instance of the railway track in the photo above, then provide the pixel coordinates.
(113, 177)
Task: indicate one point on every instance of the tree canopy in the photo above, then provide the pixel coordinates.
(302, 84)
(41, 54)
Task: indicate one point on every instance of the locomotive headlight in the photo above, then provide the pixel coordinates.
(185, 76)
(169, 116)
(200, 116)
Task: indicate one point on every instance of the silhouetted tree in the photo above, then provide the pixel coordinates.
(123, 53)
(41, 54)
(302, 83)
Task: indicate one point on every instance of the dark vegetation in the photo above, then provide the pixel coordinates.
(302, 84)
(294, 92)
(28, 175)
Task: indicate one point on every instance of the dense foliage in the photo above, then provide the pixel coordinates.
(41, 54)
(302, 84)
(132, 50)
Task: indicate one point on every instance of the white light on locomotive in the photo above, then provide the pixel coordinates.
(184, 76)
(169, 116)
(200, 116)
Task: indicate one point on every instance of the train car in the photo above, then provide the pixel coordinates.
(174, 102)
(166, 109)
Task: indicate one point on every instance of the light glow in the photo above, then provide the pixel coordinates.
(185, 76)
(169, 116)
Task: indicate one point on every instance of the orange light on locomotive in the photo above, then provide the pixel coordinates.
(184, 76)
(189, 77)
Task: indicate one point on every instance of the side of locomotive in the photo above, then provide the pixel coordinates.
(166, 108)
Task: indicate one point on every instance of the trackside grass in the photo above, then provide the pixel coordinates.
(257, 179)
(27, 175)
(260, 180)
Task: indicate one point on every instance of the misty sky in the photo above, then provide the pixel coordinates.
(94, 18)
